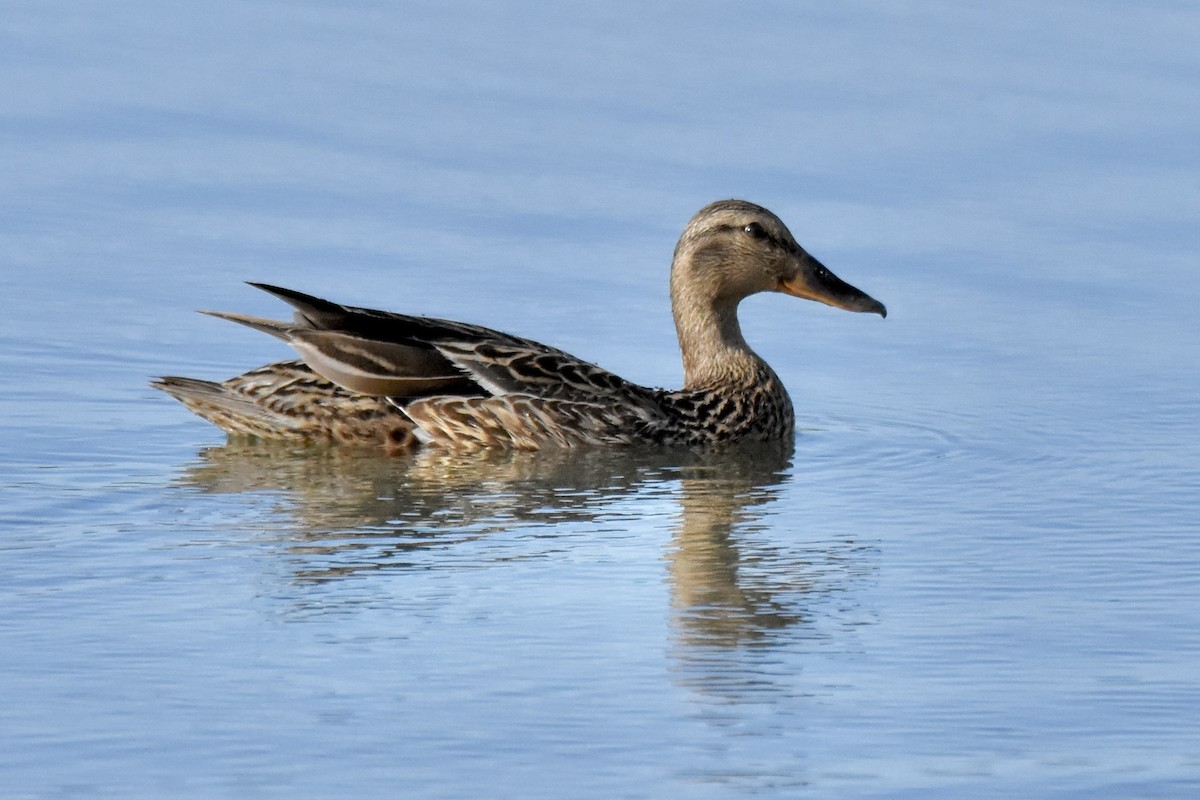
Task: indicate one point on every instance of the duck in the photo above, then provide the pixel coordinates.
(369, 377)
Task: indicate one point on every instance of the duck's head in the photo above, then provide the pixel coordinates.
(732, 249)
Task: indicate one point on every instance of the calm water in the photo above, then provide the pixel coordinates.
(975, 574)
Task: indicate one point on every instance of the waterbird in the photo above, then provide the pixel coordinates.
(372, 377)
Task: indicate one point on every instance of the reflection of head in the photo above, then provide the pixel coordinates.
(745, 578)
(713, 607)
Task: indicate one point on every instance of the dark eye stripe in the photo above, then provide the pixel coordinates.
(762, 235)
(756, 230)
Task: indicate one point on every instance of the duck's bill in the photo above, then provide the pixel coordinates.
(814, 282)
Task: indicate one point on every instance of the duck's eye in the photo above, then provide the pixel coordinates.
(755, 231)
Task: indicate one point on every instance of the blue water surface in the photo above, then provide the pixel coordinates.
(975, 573)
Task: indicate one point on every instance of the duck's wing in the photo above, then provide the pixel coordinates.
(402, 356)
(533, 369)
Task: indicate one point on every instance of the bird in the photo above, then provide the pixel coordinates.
(368, 377)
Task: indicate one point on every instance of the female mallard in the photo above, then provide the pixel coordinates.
(377, 377)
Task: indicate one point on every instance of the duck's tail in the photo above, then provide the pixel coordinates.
(288, 401)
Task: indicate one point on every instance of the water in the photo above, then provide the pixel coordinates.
(976, 572)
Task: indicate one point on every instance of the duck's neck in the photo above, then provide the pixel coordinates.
(714, 351)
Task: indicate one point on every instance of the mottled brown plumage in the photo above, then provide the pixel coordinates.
(377, 377)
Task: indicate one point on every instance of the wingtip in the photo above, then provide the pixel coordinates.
(276, 328)
(306, 304)
(268, 287)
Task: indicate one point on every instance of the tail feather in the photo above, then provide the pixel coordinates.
(288, 401)
(229, 410)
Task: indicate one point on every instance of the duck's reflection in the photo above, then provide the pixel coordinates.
(714, 602)
(735, 581)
